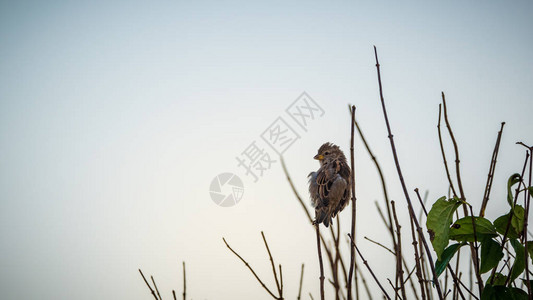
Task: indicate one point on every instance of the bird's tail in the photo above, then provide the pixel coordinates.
(322, 217)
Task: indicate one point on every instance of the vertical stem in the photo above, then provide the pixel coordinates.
(301, 281)
(383, 185)
(184, 282)
(352, 177)
(320, 261)
(492, 168)
(417, 260)
(398, 252)
(400, 175)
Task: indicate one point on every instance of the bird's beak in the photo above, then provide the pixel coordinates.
(319, 157)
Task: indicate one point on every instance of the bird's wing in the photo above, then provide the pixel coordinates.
(339, 194)
(313, 190)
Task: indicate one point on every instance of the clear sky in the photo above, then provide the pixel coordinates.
(116, 116)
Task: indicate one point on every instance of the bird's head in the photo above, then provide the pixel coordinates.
(329, 152)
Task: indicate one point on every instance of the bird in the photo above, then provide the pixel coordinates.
(329, 187)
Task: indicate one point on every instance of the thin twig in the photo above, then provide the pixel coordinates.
(369, 295)
(352, 177)
(301, 281)
(379, 244)
(473, 249)
(399, 269)
(417, 260)
(250, 268)
(490, 176)
(444, 154)
(157, 290)
(320, 261)
(184, 283)
(281, 282)
(454, 142)
(394, 289)
(404, 187)
(174, 294)
(369, 269)
(382, 179)
(148, 285)
(526, 216)
(272, 263)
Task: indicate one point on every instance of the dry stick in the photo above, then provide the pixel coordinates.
(409, 204)
(382, 179)
(417, 261)
(457, 160)
(504, 239)
(395, 290)
(423, 262)
(471, 277)
(444, 154)
(379, 244)
(320, 261)
(368, 267)
(383, 185)
(174, 294)
(524, 234)
(473, 250)
(301, 281)
(335, 266)
(328, 252)
(456, 280)
(281, 283)
(250, 268)
(148, 285)
(184, 282)
(272, 263)
(527, 197)
(358, 270)
(404, 264)
(492, 168)
(476, 252)
(399, 269)
(352, 177)
(457, 259)
(425, 268)
(159, 295)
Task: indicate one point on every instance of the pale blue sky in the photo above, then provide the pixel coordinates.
(114, 118)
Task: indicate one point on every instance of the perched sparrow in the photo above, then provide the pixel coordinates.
(329, 187)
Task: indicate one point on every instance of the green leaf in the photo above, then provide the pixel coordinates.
(463, 231)
(501, 223)
(498, 292)
(491, 254)
(518, 294)
(519, 262)
(499, 279)
(518, 219)
(514, 179)
(530, 283)
(530, 249)
(438, 222)
(447, 255)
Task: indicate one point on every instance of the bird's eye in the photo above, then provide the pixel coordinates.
(326, 153)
